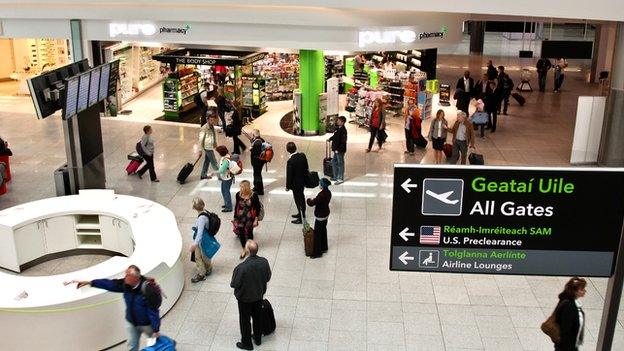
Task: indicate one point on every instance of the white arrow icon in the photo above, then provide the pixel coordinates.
(404, 258)
(406, 185)
(404, 234)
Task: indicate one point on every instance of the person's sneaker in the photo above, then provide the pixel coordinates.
(242, 346)
(198, 278)
(225, 210)
(156, 181)
(295, 216)
(296, 221)
(339, 181)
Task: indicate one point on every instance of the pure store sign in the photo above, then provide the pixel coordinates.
(406, 36)
(143, 29)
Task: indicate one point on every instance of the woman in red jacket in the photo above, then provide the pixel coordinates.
(377, 124)
(321, 212)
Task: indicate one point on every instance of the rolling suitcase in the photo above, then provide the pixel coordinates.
(519, 98)
(475, 159)
(268, 318)
(448, 150)
(133, 166)
(328, 169)
(308, 238)
(186, 170)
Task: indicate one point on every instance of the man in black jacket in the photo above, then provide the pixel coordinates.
(339, 148)
(491, 71)
(504, 86)
(249, 281)
(256, 162)
(543, 65)
(466, 84)
(296, 172)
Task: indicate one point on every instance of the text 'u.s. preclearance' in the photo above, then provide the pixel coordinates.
(506, 220)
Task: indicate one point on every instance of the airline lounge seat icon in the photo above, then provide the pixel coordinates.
(428, 258)
(442, 197)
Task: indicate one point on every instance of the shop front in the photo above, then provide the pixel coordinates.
(29, 47)
(395, 59)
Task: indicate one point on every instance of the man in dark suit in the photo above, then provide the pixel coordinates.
(466, 84)
(296, 173)
(249, 281)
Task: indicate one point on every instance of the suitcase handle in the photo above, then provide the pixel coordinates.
(327, 149)
(198, 158)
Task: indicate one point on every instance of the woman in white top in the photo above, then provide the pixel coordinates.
(437, 134)
(560, 65)
(226, 177)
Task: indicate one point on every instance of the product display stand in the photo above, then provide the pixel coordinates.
(179, 94)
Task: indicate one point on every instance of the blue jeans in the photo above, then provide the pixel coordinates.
(134, 334)
(338, 165)
(209, 158)
(225, 192)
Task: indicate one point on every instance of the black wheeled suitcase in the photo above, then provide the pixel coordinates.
(519, 98)
(328, 169)
(186, 171)
(268, 318)
(475, 159)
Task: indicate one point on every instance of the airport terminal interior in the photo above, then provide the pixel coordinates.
(349, 298)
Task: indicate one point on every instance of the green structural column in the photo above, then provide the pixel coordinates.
(311, 83)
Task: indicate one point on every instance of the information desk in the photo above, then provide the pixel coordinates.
(58, 317)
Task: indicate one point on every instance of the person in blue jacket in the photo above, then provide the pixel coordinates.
(141, 316)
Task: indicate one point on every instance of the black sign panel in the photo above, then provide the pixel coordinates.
(504, 220)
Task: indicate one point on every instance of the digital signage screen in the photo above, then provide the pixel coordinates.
(94, 86)
(83, 92)
(71, 98)
(104, 76)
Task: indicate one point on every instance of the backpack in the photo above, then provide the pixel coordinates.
(267, 152)
(153, 300)
(214, 222)
(236, 164)
(139, 149)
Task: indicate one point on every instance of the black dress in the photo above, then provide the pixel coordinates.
(321, 212)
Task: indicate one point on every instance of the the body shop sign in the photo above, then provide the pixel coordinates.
(504, 220)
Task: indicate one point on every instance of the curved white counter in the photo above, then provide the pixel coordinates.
(59, 317)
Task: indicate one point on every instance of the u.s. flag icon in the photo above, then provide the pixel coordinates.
(430, 235)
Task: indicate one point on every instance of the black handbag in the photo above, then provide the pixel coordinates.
(312, 180)
(382, 136)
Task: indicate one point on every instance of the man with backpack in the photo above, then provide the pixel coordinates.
(260, 154)
(202, 249)
(143, 298)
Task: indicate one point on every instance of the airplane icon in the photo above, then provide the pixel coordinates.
(444, 197)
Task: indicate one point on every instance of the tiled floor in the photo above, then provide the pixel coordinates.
(347, 300)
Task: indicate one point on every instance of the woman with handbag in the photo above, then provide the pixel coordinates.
(437, 135)
(246, 214)
(321, 213)
(377, 125)
(569, 315)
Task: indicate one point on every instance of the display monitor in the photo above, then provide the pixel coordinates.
(46, 89)
(71, 97)
(83, 92)
(104, 77)
(94, 86)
